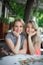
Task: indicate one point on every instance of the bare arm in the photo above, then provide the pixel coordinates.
(31, 47)
(17, 47)
(24, 50)
(11, 45)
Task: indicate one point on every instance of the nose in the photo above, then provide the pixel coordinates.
(18, 28)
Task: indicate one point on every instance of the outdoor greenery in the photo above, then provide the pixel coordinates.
(2, 19)
(40, 21)
(18, 9)
(40, 18)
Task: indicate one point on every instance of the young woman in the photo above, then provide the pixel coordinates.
(33, 38)
(16, 40)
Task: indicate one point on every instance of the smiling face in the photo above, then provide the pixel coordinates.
(30, 28)
(18, 27)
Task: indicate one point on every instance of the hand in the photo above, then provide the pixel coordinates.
(16, 34)
(32, 34)
(4, 52)
(10, 53)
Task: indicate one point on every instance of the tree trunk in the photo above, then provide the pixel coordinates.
(28, 8)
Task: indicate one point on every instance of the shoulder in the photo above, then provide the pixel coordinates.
(9, 35)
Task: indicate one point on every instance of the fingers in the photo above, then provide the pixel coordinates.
(32, 33)
(15, 33)
(4, 52)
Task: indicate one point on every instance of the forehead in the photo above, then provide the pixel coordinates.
(29, 24)
(18, 23)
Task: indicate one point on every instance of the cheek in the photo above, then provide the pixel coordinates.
(21, 29)
(15, 29)
(33, 30)
(27, 30)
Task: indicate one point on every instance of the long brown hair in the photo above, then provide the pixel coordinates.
(35, 39)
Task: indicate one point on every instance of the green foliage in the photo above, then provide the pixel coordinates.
(40, 22)
(41, 1)
(39, 15)
(18, 9)
(2, 19)
(40, 18)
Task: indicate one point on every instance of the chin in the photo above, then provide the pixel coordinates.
(19, 32)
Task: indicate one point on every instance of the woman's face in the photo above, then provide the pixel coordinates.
(18, 27)
(29, 28)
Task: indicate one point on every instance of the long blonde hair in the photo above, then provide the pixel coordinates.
(35, 39)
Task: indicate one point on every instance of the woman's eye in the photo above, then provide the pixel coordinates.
(32, 28)
(16, 26)
(21, 26)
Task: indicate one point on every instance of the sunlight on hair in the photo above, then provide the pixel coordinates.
(36, 25)
(22, 22)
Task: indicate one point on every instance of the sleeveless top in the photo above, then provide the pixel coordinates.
(14, 39)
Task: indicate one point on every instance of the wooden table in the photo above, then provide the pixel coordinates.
(21, 60)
